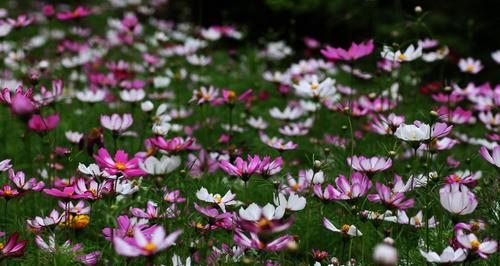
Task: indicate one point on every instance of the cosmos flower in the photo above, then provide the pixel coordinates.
(145, 245)
(346, 229)
(457, 199)
(482, 248)
(409, 54)
(117, 123)
(355, 52)
(12, 248)
(448, 256)
(369, 165)
(42, 124)
(390, 198)
(470, 65)
(120, 163)
(227, 199)
(254, 242)
(494, 157)
(162, 166)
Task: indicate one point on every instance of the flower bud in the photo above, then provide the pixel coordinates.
(418, 9)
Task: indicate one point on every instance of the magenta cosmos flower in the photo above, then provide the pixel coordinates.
(77, 13)
(126, 228)
(41, 124)
(390, 198)
(145, 245)
(369, 165)
(358, 186)
(241, 168)
(19, 179)
(254, 242)
(175, 144)
(12, 248)
(356, 51)
(120, 163)
(494, 157)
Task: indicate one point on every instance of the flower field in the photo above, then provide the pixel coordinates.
(130, 138)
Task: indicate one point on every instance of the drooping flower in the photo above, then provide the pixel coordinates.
(416, 221)
(369, 165)
(254, 242)
(116, 123)
(12, 248)
(163, 166)
(457, 199)
(448, 256)
(42, 124)
(494, 157)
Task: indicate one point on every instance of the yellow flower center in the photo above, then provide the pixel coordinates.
(314, 87)
(199, 225)
(296, 187)
(402, 57)
(120, 166)
(217, 198)
(417, 220)
(150, 247)
(474, 244)
(474, 226)
(345, 228)
(469, 68)
(231, 95)
(7, 192)
(1, 246)
(263, 223)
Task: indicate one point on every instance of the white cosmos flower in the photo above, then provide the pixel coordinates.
(91, 96)
(294, 202)
(133, 95)
(496, 56)
(413, 132)
(73, 136)
(165, 165)
(346, 229)
(310, 87)
(448, 256)
(257, 123)
(288, 114)
(385, 254)
(254, 212)
(411, 53)
(94, 171)
(470, 65)
(228, 198)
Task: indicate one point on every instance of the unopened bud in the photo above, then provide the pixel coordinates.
(317, 165)
(392, 153)
(372, 95)
(434, 113)
(418, 9)
(447, 88)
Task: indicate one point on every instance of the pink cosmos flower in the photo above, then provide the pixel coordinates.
(223, 220)
(356, 51)
(153, 212)
(277, 143)
(393, 199)
(204, 95)
(457, 116)
(494, 157)
(19, 179)
(92, 190)
(175, 144)
(241, 168)
(117, 123)
(470, 65)
(472, 243)
(38, 223)
(204, 163)
(369, 165)
(126, 228)
(5, 165)
(145, 245)
(12, 248)
(254, 242)
(66, 193)
(120, 163)
(42, 124)
(173, 196)
(269, 168)
(77, 13)
(21, 21)
(8, 192)
(358, 186)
